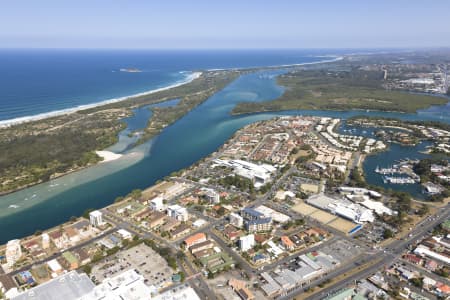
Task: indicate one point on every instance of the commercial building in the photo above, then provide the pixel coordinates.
(310, 266)
(424, 251)
(69, 286)
(125, 234)
(180, 293)
(96, 218)
(246, 242)
(258, 174)
(270, 213)
(128, 285)
(342, 207)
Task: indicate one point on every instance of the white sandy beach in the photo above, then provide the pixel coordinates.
(20, 120)
(108, 155)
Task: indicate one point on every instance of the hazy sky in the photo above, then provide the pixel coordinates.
(224, 24)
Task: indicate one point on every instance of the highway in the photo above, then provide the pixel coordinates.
(57, 254)
(385, 259)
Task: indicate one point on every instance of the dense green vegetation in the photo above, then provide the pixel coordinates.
(339, 90)
(37, 151)
(39, 155)
(243, 184)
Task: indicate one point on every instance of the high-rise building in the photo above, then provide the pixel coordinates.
(13, 252)
(96, 218)
(246, 242)
(45, 241)
(178, 212)
(236, 220)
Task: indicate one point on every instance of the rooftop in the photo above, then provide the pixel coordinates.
(69, 286)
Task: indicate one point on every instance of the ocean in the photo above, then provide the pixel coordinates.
(39, 82)
(191, 138)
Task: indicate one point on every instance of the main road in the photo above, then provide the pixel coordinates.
(384, 259)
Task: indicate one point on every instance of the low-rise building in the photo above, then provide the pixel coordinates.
(287, 243)
(202, 246)
(71, 261)
(263, 224)
(59, 239)
(156, 219)
(195, 239)
(180, 231)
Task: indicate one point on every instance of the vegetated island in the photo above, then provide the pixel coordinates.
(37, 151)
(364, 83)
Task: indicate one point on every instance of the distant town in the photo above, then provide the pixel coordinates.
(280, 211)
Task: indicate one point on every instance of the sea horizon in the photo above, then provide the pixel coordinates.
(20, 106)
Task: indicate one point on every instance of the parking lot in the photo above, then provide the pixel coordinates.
(143, 259)
(342, 250)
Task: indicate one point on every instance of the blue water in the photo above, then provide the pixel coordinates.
(135, 124)
(194, 136)
(40, 81)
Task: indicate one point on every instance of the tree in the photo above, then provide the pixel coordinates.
(180, 255)
(423, 210)
(87, 269)
(119, 199)
(135, 194)
(418, 282)
(387, 234)
(221, 211)
(86, 213)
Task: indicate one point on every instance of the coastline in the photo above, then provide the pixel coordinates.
(189, 78)
(108, 156)
(202, 125)
(42, 116)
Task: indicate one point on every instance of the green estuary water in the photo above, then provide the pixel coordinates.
(191, 138)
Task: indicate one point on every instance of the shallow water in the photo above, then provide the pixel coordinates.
(194, 136)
